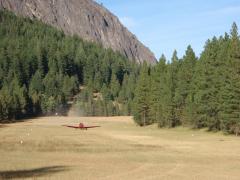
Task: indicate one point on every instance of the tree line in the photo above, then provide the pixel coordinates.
(197, 92)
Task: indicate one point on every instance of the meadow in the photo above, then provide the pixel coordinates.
(42, 148)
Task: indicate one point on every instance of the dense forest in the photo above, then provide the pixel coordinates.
(199, 92)
(41, 70)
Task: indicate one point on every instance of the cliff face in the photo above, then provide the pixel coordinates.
(85, 18)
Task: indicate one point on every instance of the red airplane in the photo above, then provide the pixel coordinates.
(81, 126)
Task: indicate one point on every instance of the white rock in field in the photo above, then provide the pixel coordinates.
(21, 141)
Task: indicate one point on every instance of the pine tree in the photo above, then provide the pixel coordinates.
(36, 90)
(231, 91)
(207, 84)
(157, 92)
(141, 100)
(6, 102)
(70, 86)
(170, 113)
(19, 99)
(184, 82)
(115, 86)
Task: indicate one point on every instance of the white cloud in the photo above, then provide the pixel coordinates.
(128, 22)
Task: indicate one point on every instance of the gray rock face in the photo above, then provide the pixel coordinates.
(85, 18)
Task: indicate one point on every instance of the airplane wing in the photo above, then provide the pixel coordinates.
(84, 127)
(71, 126)
(91, 126)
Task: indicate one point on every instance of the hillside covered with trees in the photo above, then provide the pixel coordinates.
(41, 69)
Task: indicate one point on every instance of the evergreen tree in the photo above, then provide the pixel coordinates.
(184, 82)
(141, 100)
(157, 92)
(231, 90)
(208, 81)
(172, 118)
(35, 91)
(6, 102)
(115, 86)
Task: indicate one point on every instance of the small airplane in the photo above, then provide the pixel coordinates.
(81, 126)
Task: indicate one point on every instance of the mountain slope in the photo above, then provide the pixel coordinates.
(85, 18)
(41, 70)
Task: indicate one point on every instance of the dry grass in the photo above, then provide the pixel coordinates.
(42, 148)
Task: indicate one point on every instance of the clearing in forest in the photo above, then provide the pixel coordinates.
(41, 148)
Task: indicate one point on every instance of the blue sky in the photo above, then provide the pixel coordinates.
(165, 25)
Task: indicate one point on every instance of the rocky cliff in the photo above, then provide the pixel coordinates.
(85, 18)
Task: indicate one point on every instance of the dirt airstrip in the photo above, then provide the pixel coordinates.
(43, 149)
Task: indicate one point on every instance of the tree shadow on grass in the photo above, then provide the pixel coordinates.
(2, 126)
(37, 172)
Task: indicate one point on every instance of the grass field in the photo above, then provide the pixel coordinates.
(43, 149)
